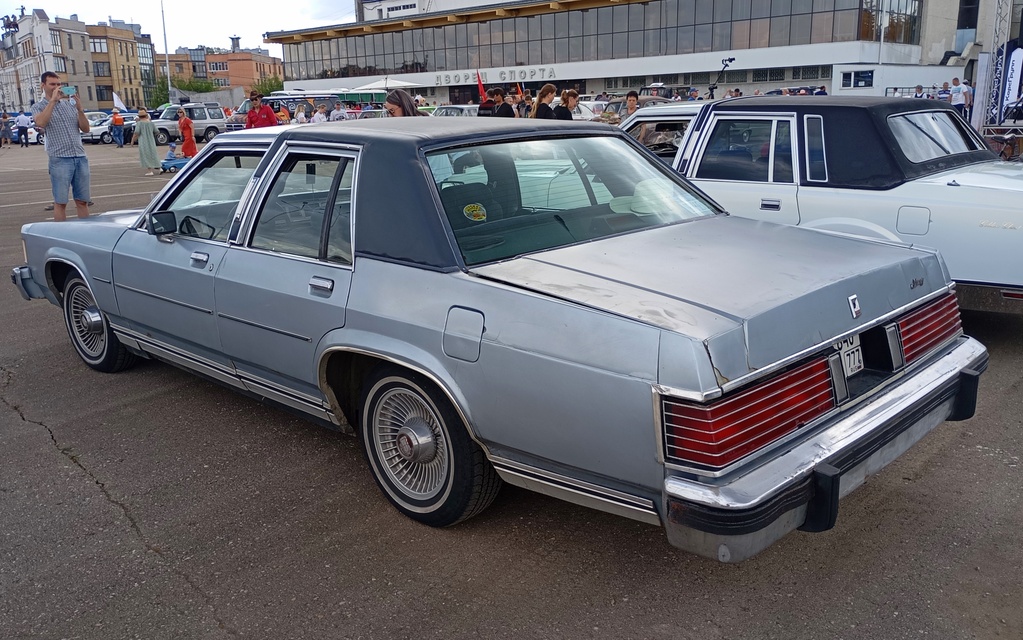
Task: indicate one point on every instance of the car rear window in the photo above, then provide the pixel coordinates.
(929, 135)
(506, 199)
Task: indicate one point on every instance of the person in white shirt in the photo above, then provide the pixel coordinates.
(23, 122)
(958, 96)
(338, 113)
(320, 115)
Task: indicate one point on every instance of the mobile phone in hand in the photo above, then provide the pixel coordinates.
(69, 91)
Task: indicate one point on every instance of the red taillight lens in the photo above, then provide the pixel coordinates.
(718, 434)
(928, 327)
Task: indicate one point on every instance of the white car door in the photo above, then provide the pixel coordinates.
(747, 165)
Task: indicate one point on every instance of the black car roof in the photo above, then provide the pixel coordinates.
(870, 156)
(395, 184)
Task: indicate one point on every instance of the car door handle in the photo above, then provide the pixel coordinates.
(200, 257)
(322, 284)
(769, 204)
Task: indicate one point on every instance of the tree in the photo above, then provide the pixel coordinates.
(160, 94)
(195, 85)
(265, 86)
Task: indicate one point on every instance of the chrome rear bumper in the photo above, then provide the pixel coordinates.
(734, 517)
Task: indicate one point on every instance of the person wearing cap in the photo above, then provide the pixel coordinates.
(260, 114)
(339, 112)
(694, 93)
(117, 127)
(170, 151)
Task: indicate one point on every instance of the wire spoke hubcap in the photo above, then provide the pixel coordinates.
(411, 443)
(87, 322)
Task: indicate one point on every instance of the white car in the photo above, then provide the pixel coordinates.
(910, 171)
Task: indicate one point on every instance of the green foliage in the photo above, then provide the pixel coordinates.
(267, 85)
(195, 85)
(160, 94)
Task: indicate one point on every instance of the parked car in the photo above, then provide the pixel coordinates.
(35, 135)
(95, 117)
(100, 131)
(617, 108)
(563, 313)
(662, 127)
(207, 117)
(907, 170)
(456, 110)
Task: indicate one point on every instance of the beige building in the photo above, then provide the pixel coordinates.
(115, 66)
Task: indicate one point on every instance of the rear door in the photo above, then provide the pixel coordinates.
(286, 283)
(745, 162)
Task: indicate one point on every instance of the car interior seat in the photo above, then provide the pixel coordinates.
(470, 204)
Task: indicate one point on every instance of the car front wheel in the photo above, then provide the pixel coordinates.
(420, 452)
(106, 138)
(90, 332)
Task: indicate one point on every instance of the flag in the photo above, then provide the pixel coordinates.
(479, 83)
(518, 85)
(118, 103)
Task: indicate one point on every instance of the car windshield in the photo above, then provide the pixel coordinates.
(512, 198)
(931, 134)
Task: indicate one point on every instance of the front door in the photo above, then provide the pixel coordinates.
(746, 164)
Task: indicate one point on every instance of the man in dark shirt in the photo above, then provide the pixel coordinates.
(488, 105)
(501, 108)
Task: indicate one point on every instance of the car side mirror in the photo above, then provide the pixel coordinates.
(159, 223)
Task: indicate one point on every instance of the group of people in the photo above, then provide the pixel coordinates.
(22, 121)
(959, 95)
(516, 105)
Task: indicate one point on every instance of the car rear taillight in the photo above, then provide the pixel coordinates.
(717, 434)
(928, 327)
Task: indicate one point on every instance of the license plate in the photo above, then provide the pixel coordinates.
(852, 355)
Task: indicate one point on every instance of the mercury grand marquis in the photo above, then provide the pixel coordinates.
(532, 302)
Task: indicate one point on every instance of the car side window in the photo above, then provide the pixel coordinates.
(339, 229)
(663, 138)
(738, 150)
(783, 152)
(205, 204)
(196, 113)
(292, 215)
(816, 165)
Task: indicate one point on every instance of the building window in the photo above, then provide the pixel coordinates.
(74, 68)
(59, 64)
(736, 76)
(104, 92)
(776, 75)
(853, 79)
(98, 45)
(56, 43)
(89, 87)
(70, 42)
(101, 69)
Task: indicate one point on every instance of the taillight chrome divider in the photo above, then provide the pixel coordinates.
(838, 381)
(895, 346)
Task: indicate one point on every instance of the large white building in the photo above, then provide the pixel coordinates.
(617, 45)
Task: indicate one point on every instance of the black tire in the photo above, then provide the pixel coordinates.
(443, 480)
(106, 137)
(98, 347)
(161, 137)
(210, 134)
(39, 137)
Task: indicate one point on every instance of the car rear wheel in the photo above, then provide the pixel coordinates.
(161, 137)
(106, 138)
(210, 134)
(90, 332)
(419, 450)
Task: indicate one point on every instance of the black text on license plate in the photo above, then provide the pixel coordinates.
(852, 355)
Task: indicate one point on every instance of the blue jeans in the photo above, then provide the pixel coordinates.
(117, 131)
(70, 173)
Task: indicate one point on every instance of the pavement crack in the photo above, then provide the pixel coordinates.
(68, 452)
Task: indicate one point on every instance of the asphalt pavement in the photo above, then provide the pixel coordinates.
(153, 504)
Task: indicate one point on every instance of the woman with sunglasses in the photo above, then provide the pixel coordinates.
(187, 130)
(399, 103)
